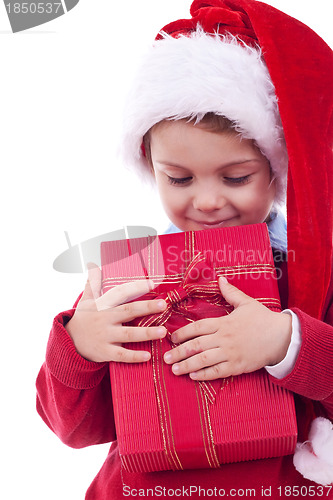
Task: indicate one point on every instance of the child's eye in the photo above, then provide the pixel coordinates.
(237, 180)
(179, 180)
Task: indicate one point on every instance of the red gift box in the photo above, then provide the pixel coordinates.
(168, 422)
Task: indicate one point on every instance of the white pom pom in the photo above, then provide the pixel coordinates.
(314, 458)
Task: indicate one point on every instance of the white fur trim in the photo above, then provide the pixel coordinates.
(314, 458)
(192, 75)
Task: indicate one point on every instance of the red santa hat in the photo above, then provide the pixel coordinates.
(262, 69)
(195, 73)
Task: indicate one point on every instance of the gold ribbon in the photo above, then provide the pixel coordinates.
(199, 281)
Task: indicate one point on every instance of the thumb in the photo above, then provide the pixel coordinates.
(232, 295)
(92, 289)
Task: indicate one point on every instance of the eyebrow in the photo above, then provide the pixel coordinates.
(240, 162)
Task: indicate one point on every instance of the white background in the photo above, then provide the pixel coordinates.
(61, 92)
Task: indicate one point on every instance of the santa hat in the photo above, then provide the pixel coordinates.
(212, 62)
(260, 68)
(197, 73)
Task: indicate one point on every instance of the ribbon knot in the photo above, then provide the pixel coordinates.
(196, 297)
(177, 295)
(199, 286)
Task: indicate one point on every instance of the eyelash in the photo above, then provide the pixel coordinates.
(237, 180)
(179, 181)
(230, 180)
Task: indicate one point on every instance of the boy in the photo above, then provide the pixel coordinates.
(215, 172)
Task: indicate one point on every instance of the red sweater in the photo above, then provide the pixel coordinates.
(74, 399)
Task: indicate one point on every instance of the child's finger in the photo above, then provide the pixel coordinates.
(220, 370)
(95, 279)
(197, 328)
(128, 312)
(92, 288)
(123, 355)
(208, 358)
(124, 293)
(125, 334)
(200, 346)
(232, 294)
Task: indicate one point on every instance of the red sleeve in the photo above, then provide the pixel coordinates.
(73, 394)
(312, 375)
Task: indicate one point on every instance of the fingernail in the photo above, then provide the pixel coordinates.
(146, 356)
(193, 375)
(174, 338)
(223, 279)
(175, 368)
(161, 331)
(167, 357)
(161, 304)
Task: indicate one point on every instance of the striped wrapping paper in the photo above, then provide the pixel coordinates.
(167, 422)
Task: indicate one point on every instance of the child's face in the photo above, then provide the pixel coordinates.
(207, 179)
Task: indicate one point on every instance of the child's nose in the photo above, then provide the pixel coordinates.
(209, 200)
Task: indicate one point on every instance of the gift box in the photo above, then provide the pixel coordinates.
(169, 422)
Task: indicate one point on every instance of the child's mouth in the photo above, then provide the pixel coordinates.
(214, 224)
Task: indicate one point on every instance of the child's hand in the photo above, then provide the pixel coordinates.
(247, 339)
(97, 325)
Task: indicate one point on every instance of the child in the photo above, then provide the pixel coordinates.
(220, 103)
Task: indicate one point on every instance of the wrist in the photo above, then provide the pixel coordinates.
(284, 333)
(74, 330)
(65, 363)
